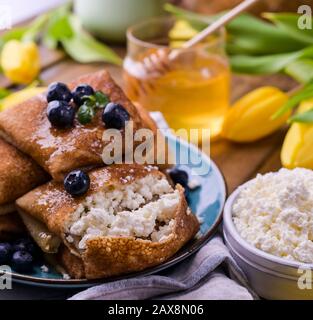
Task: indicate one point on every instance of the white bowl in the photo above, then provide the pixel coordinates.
(271, 277)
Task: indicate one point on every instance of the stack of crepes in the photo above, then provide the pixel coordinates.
(131, 218)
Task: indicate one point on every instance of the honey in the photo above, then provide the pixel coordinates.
(190, 96)
(190, 87)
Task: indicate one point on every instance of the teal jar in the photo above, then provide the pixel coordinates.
(109, 19)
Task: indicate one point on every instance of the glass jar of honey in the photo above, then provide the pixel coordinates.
(192, 90)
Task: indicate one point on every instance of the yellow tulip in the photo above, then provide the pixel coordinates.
(20, 61)
(298, 143)
(20, 96)
(249, 119)
(182, 30)
(180, 33)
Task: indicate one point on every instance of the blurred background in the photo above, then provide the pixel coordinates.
(212, 6)
(23, 9)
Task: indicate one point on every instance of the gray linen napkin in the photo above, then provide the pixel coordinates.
(199, 277)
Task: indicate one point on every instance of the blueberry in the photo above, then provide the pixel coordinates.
(5, 252)
(60, 114)
(59, 91)
(115, 115)
(179, 176)
(22, 261)
(26, 244)
(81, 91)
(77, 183)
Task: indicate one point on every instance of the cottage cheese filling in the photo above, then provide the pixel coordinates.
(274, 213)
(144, 209)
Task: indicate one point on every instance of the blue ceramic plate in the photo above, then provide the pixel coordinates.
(206, 202)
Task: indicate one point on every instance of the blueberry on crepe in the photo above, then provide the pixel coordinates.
(81, 91)
(60, 114)
(77, 183)
(115, 116)
(58, 91)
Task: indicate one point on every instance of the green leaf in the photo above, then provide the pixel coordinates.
(58, 27)
(90, 100)
(288, 22)
(250, 35)
(83, 48)
(301, 70)
(305, 93)
(198, 21)
(33, 30)
(14, 34)
(268, 64)
(305, 117)
(87, 111)
(4, 93)
(101, 99)
(242, 33)
(85, 114)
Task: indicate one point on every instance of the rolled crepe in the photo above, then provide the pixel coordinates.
(60, 151)
(130, 219)
(47, 241)
(18, 175)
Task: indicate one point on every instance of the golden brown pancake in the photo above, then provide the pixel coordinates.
(46, 240)
(108, 255)
(72, 264)
(60, 151)
(18, 175)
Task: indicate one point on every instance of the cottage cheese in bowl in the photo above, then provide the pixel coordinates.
(274, 213)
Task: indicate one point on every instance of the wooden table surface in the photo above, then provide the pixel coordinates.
(238, 162)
